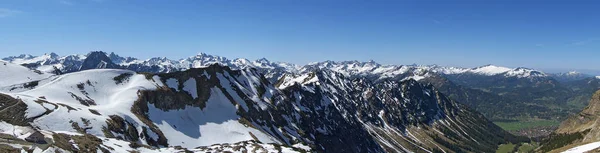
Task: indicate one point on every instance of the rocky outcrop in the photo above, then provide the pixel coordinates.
(578, 129)
(13, 111)
(401, 116)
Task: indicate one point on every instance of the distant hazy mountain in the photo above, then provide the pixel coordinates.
(570, 76)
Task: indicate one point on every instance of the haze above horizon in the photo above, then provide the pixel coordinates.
(559, 35)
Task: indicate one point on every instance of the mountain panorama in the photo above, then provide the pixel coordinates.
(103, 102)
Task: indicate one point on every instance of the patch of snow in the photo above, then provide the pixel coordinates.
(524, 73)
(415, 77)
(14, 130)
(572, 73)
(190, 87)
(16, 74)
(97, 85)
(226, 83)
(173, 83)
(301, 146)
(302, 79)
(584, 148)
(490, 70)
(216, 123)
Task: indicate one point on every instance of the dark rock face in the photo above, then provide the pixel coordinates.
(98, 60)
(13, 111)
(390, 111)
(118, 59)
(70, 63)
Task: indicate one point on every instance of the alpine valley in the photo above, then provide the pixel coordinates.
(102, 102)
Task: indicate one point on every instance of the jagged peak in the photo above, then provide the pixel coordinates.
(97, 53)
(489, 66)
(410, 81)
(201, 54)
(348, 68)
(98, 60)
(263, 60)
(525, 68)
(485, 65)
(159, 59)
(53, 55)
(24, 56)
(573, 72)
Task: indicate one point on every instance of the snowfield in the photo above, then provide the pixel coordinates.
(584, 148)
(88, 99)
(490, 70)
(97, 88)
(216, 123)
(16, 74)
(17, 131)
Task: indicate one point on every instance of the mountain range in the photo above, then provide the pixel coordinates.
(72, 63)
(211, 103)
(215, 107)
(489, 89)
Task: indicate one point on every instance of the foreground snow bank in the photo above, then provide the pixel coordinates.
(584, 148)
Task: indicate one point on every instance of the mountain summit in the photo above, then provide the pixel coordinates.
(98, 60)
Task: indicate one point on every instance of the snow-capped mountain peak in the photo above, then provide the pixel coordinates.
(570, 76)
(573, 73)
(273, 70)
(522, 72)
(263, 60)
(22, 56)
(490, 70)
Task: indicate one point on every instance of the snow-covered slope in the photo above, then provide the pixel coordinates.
(69, 99)
(99, 91)
(584, 148)
(26, 59)
(489, 70)
(16, 74)
(216, 123)
(121, 104)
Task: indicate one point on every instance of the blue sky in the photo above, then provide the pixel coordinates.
(545, 34)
